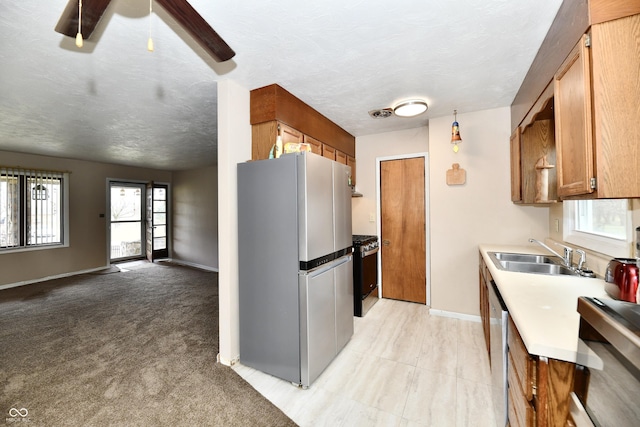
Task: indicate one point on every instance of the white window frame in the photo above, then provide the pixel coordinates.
(605, 245)
(65, 218)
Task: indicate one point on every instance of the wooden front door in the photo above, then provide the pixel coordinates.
(403, 229)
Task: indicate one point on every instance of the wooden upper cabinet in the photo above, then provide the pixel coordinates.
(573, 121)
(328, 151)
(341, 157)
(351, 161)
(596, 113)
(289, 134)
(516, 174)
(316, 146)
(533, 154)
(615, 56)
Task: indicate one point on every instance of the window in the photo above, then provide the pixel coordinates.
(32, 208)
(603, 226)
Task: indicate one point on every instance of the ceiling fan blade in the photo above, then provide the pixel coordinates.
(92, 11)
(199, 29)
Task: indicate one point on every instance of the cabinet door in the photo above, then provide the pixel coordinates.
(328, 151)
(615, 59)
(351, 161)
(516, 168)
(289, 134)
(573, 122)
(316, 146)
(341, 157)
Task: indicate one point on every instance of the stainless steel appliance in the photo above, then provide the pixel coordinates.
(611, 329)
(295, 264)
(498, 320)
(365, 273)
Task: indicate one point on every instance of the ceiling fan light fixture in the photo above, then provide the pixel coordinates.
(410, 108)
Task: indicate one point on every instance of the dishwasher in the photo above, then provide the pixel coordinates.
(498, 321)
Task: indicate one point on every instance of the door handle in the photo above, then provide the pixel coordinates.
(386, 243)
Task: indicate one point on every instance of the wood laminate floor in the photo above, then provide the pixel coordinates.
(403, 367)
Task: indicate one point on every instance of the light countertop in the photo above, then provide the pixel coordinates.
(544, 307)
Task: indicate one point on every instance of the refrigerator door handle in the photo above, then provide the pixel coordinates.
(326, 267)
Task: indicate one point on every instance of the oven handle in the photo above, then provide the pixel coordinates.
(370, 252)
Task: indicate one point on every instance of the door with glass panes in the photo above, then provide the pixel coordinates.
(156, 221)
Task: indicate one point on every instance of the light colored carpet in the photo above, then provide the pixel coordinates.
(134, 348)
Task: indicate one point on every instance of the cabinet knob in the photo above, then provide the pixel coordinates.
(386, 243)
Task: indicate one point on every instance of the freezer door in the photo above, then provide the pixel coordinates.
(315, 206)
(317, 322)
(341, 206)
(344, 301)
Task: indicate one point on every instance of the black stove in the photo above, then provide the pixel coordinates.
(365, 273)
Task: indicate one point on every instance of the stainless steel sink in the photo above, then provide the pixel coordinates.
(539, 268)
(531, 263)
(538, 259)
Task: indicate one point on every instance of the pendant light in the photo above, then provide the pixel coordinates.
(79, 41)
(455, 132)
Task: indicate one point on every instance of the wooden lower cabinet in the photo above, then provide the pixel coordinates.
(539, 387)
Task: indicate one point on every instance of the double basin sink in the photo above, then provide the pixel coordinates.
(531, 263)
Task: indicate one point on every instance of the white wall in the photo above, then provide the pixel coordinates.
(461, 217)
(234, 146)
(479, 211)
(195, 217)
(368, 149)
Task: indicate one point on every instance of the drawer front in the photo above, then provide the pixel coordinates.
(520, 362)
(521, 410)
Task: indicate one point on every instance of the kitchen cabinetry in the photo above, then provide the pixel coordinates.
(485, 282)
(272, 105)
(539, 387)
(596, 117)
(341, 157)
(316, 146)
(516, 167)
(351, 161)
(328, 151)
(533, 155)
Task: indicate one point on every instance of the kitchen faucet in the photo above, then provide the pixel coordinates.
(568, 252)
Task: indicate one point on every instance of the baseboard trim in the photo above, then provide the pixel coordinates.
(226, 362)
(193, 264)
(56, 276)
(461, 316)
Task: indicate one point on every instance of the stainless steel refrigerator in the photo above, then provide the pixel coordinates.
(295, 264)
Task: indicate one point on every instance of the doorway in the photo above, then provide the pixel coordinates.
(156, 221)
(126, 226)
(402, 196)
(138, 222)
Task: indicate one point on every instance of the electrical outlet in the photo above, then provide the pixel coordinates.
(372, 217)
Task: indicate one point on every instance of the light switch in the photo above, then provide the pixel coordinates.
(372, 217)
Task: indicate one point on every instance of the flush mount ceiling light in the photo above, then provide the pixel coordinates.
(410, 108)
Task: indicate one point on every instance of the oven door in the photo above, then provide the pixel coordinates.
(369, 271)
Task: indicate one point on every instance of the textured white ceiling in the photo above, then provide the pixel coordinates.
(113, 101)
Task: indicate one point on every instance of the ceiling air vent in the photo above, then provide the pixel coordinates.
(381, 114)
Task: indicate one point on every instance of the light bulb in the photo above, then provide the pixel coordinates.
(150, 45)
(455, 148)
(79, 41)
